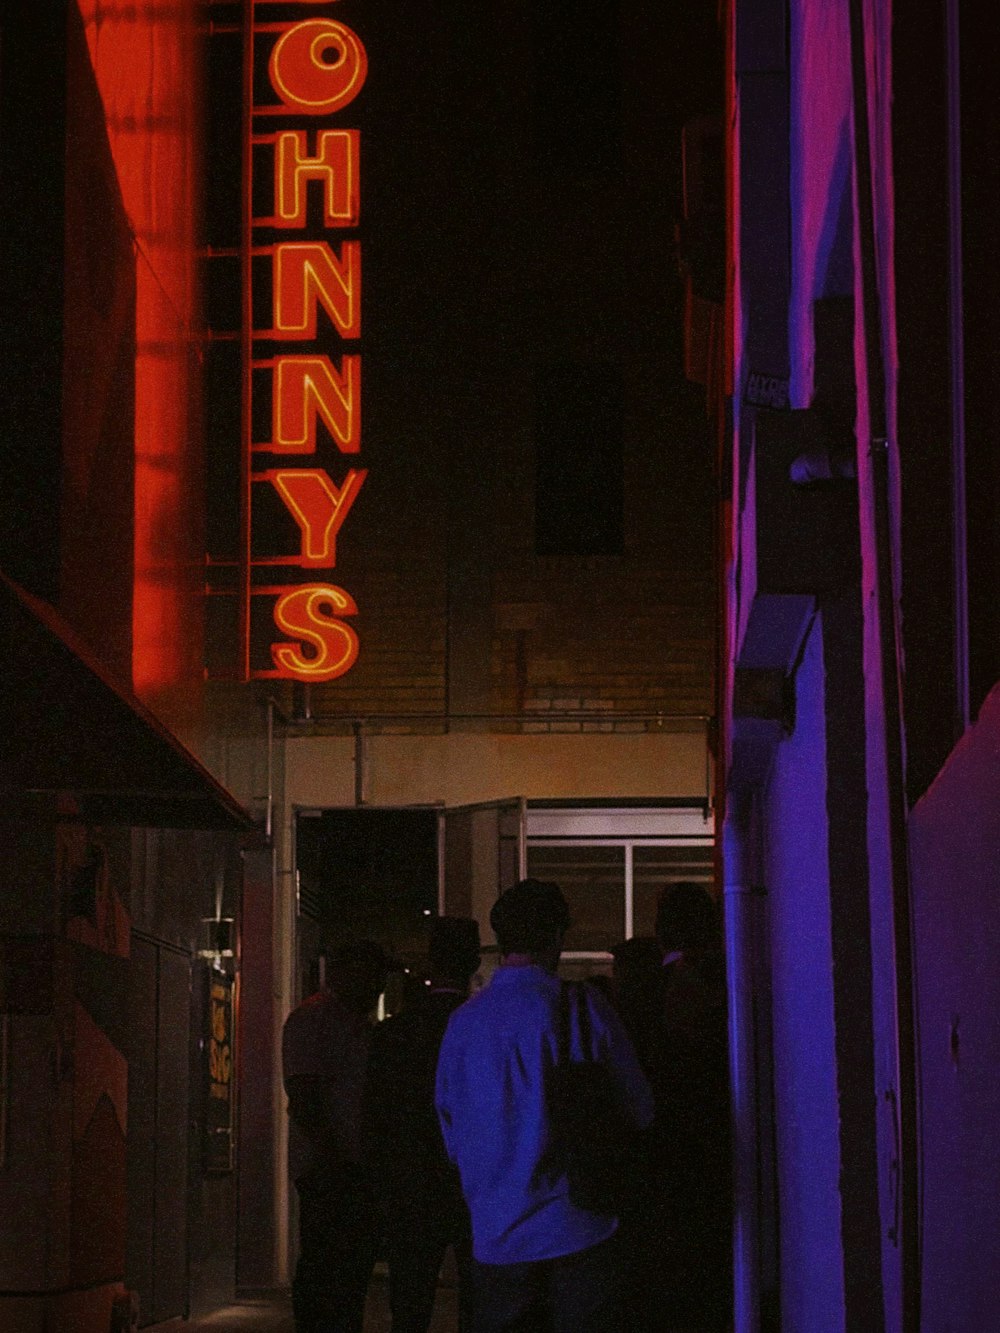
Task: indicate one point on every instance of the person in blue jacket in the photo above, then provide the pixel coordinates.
(542, 1261)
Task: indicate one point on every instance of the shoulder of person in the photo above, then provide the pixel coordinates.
(398, 1032)
(309, 1007)
(472, 1014)
(305, 1020)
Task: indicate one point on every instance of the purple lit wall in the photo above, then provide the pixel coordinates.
(820, 178)
(805, 1084)
(955, 848)
(830, 798)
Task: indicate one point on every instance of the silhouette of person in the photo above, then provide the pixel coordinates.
(637, 990)
(683, 1225)
(324, 1058)
(417, 1187)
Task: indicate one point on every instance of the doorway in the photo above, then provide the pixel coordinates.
(381, 873)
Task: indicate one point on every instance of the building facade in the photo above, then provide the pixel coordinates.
(860, 665)
(200, 797)
(197, 801)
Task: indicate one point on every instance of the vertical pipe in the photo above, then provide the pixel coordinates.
(360, 775)
(907, 1231)
(285, 882)
(269, 815)
(441, 846)
(629, 890)
(908, 1234)
(738, 900)
(522, 838)
(956, 332)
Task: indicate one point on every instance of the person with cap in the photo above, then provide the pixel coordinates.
(543, 1261)
(324, 1058)
(417, 1187)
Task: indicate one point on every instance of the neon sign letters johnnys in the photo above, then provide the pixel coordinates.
(302, 325)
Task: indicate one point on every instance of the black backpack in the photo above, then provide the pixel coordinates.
(593, 1133)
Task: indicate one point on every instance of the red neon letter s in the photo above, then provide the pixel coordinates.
(310, 614)
(302, 76)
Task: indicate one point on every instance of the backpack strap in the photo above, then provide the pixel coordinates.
(573, 997)
(564, 1051)
(583, 1021)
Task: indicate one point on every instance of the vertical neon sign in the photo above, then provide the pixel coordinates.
(301, 328)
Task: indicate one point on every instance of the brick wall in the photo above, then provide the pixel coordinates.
(488, 263)
(627, 638)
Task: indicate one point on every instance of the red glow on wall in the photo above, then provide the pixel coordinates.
(315, 68)
(144, 58)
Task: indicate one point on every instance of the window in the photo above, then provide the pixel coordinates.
(612, 866)
(592, 878)
(656, 865)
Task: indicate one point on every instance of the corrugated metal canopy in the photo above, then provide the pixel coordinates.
(67, 726)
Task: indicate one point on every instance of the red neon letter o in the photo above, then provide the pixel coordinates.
(301, 76)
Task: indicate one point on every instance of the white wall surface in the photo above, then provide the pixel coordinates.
(464, 768)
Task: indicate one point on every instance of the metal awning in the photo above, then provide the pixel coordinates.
(67, 726)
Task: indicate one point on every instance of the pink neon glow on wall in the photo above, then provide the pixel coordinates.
(821, 149)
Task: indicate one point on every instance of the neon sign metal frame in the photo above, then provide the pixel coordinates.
(308, 389)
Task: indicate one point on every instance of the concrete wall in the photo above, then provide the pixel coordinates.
(464, 768)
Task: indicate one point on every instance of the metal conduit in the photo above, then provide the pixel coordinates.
(907, 1233)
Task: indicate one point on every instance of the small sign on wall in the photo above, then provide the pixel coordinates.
(767, 391)
(219, 1071)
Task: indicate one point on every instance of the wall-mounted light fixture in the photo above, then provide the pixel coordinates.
(218, 940)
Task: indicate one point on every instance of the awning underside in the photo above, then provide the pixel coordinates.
(68, 727)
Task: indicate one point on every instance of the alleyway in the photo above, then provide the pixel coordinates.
(272, 1313)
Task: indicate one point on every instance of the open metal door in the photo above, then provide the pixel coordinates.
(481, 852)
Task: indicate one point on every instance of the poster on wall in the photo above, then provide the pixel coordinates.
(218, 1146)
